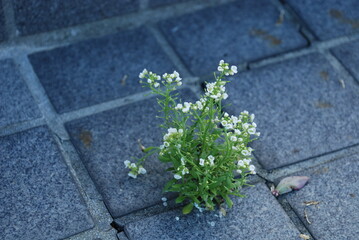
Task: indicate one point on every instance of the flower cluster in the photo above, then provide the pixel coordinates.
(203, 156)
(154, 80)
(224, 67)
(135, 170)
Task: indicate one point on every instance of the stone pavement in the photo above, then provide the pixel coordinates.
(72, 110)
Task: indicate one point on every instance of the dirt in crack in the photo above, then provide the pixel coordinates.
(266, 36)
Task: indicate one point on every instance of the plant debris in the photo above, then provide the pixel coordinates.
(143, 148)
(309, 203)
(289, 184)
(123, 80)
(304, 236)
(306, 216)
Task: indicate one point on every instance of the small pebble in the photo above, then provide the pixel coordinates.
(177, 218)
(164, 204)
(164, 199)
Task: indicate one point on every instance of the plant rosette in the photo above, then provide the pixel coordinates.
(205, 146)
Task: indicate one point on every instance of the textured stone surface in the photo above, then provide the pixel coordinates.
(259, 216)
(2, 24)
(328, 18)
(335, 186)
(157, 3)
(301, 109)
(233, 32)
(348, 54)
(38, 197)
(107, 139)
(122, 236)
(16, 102)
(40, 16)
(92, 72)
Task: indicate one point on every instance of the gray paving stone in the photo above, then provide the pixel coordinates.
(38, 197)
(348, 54)
(157, 3)
(330, 18)
(233, 32)
(41, 16)
(259, 216)
(107, 139)
(335, 186)
(2, 24)
(301, 109)
(98, 70)
(16, 102)
(122, 236)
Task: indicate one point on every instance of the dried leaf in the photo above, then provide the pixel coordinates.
(308, 203)
(306, 217)
(303, 236)
(290, 183)
(143, 148)
(223, 211)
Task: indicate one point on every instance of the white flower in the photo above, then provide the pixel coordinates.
(166, 144)
(133, 165)
(141, 170)
(258, 134)
(247, 161)
(132, 175)
(233, 138)
(220, 68)
(240, 163)
(156, 84)
(201, 161)
(211, 159)
(252, 168)
(237, 131)
(221, 62)
(179, 83)
(252, 131)
(246, 152)
(234, 148)
(240, 139)
(225, 96)
(252, 117)
(164, 199)
(239, 171)
(179, 106)
(180, 131)
(143, 73)
(149, 80)
(234, 69)
(176, 176)
(127, 163)
(185, 171)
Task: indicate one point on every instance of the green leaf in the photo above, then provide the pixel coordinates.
(187, 209)
(228, 200)
(148, 149)
(180, 199)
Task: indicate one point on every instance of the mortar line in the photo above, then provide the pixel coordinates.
(22, 126)
(81, 177)
(341, 69)
(307, 32)
(69, 35)
(292, 213)
(310, 163)
(169, 50)
(9, 16)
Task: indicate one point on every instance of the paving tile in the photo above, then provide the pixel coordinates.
(41, 16)
(334, 186)
(16, 102)
(301, 109)
(38, 197)
(98, 70)
(157, 3)
(348, 54)
(2, 24)
(330, 18)
(259, 216)
(233, 32)
(107, 139)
